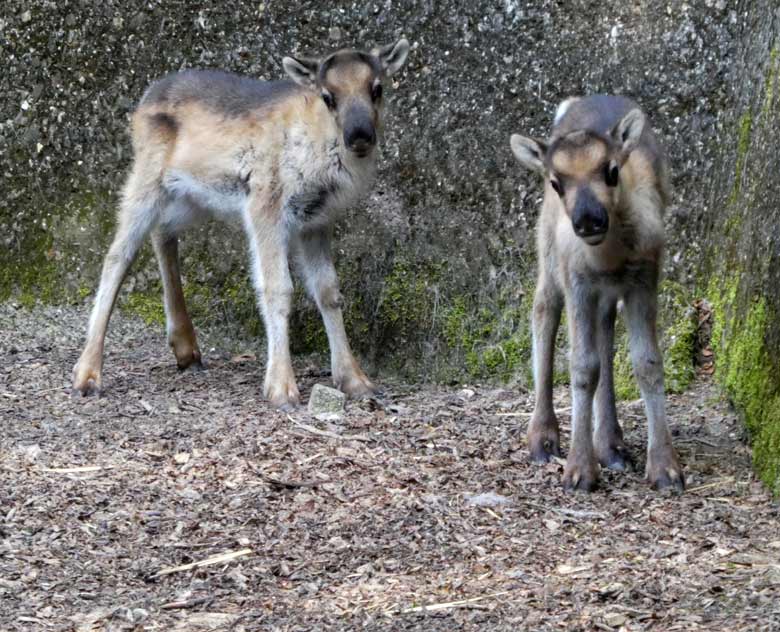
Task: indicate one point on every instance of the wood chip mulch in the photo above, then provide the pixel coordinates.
(180, 501)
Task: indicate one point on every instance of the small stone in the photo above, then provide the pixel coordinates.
(328, 416)
(30, 452)
(614, 619)
(612, 589)
(26, 17)
(324, 399)
(466, 393)
(487, 499)
(334, 34)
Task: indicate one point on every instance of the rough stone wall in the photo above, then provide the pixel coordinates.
(740, 233)
(437, 263)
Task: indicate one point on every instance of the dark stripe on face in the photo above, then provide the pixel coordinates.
(165, 122)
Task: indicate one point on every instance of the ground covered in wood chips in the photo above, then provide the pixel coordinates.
(180, 501)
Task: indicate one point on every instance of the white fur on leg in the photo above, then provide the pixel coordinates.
(271, 275)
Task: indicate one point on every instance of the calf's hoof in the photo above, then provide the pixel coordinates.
(616, 457)
(186, 352)
(87, 380)
(665, 472)
(284, 397)
(544, 443)
(581, 473)
(190, 361)
(356, 385)
(544, 450)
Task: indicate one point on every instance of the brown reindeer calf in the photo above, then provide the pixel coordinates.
(600, 240)
(284, 157)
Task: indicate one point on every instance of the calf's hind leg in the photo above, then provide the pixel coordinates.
(139, 212)
(180, 332)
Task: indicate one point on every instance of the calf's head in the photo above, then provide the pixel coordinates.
(349, 82)
(583, 168)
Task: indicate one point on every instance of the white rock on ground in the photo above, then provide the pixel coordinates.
(324, 399)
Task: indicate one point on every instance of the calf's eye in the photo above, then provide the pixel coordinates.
(611, 174)
(329, 99)
(557, 186)
(376, 92)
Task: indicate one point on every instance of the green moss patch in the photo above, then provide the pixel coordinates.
(147, 306)
(494, 341)
(677, 336)
(746, 370)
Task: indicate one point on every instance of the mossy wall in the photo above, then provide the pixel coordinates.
(741, 235)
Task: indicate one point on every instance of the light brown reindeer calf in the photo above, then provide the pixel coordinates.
(284, 157)
(600, 240)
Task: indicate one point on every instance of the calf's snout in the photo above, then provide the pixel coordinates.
(359, 131)
(590, 219)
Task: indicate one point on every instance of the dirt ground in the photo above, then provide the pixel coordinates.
(415, 512)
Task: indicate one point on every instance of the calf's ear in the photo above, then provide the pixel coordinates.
(628, 131)
(302, 70)
(393, 56)
(529, 151)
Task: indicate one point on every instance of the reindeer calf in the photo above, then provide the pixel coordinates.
(284, 157)
(600, 240)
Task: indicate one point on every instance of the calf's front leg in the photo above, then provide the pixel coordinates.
(268, 239)
(543, 431)
(323, 286)
(663, 466)
(582, 470)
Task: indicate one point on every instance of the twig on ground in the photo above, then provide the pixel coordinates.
(326, 433)
(454, 604)
(722, 481)
(77, 470)
(277, 482)
(188, 603)
(492, 513)
(698, 440)
(572, 513)
(558, 411)
(209, 561)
